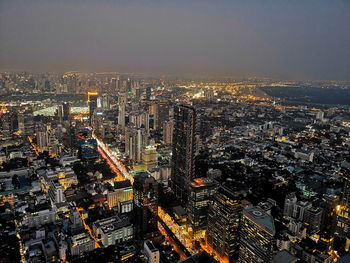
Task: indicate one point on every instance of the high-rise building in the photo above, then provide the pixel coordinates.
(146, 201)
(256, 236)
(47, 85)
(42, 140)
(149, 157)
(148, 92)
(66, 111)
(163, 112)
(92, 99)
(201, 191)
(168, 131)
(224, 215)
(134, 143)
(183, 151)
(121, 112)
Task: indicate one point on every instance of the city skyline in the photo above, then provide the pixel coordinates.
(299, 40)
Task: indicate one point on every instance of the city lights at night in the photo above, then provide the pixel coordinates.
(175, 131)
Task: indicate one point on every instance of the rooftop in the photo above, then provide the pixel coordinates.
(260, 217)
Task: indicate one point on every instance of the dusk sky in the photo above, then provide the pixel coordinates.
(299, 39)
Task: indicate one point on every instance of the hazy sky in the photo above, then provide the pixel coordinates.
(297, 39)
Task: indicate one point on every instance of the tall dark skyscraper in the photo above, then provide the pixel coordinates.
(223, 224)
(148, 92)
(184, 149)
(92, 99)
(66, 111)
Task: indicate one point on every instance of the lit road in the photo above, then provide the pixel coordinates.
(113, 157)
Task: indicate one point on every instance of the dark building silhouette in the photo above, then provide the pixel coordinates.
(145, 201)
(183, 151)
(92, 99)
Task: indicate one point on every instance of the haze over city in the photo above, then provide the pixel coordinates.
(158, 131)
(279, 39)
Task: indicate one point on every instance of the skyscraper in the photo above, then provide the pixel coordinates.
(92, 99)
(146, 201)
(257, 236)
(66, 111)
(121, 112)
(224, 215)
(148, 93)
(201, 191)
(183, 151)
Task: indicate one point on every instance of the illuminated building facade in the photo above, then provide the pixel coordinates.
(121, 196)
(183, 151)
(222, 235)
(113, 230)
(81, 243)
(150, 157)
(256, 236)
(201, 191)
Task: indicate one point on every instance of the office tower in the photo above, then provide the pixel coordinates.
(152, 253)
(47, 85)
(118, 84)
(113, 85)
(222, 235)
(146, 201)
(60, 113)
(66, 111)
(329, 205)
(106, 101)
(121, 196)
(168, 130)
(201, 191)
(256, 236)
(42, 140)
(149, 157)
(313, 217)
(183, 151)
(72, 83)
(148, 92)
(128, 86)
(137, 93)
(163, 112)
(134, 143)
(92, 99)
(121, 112)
